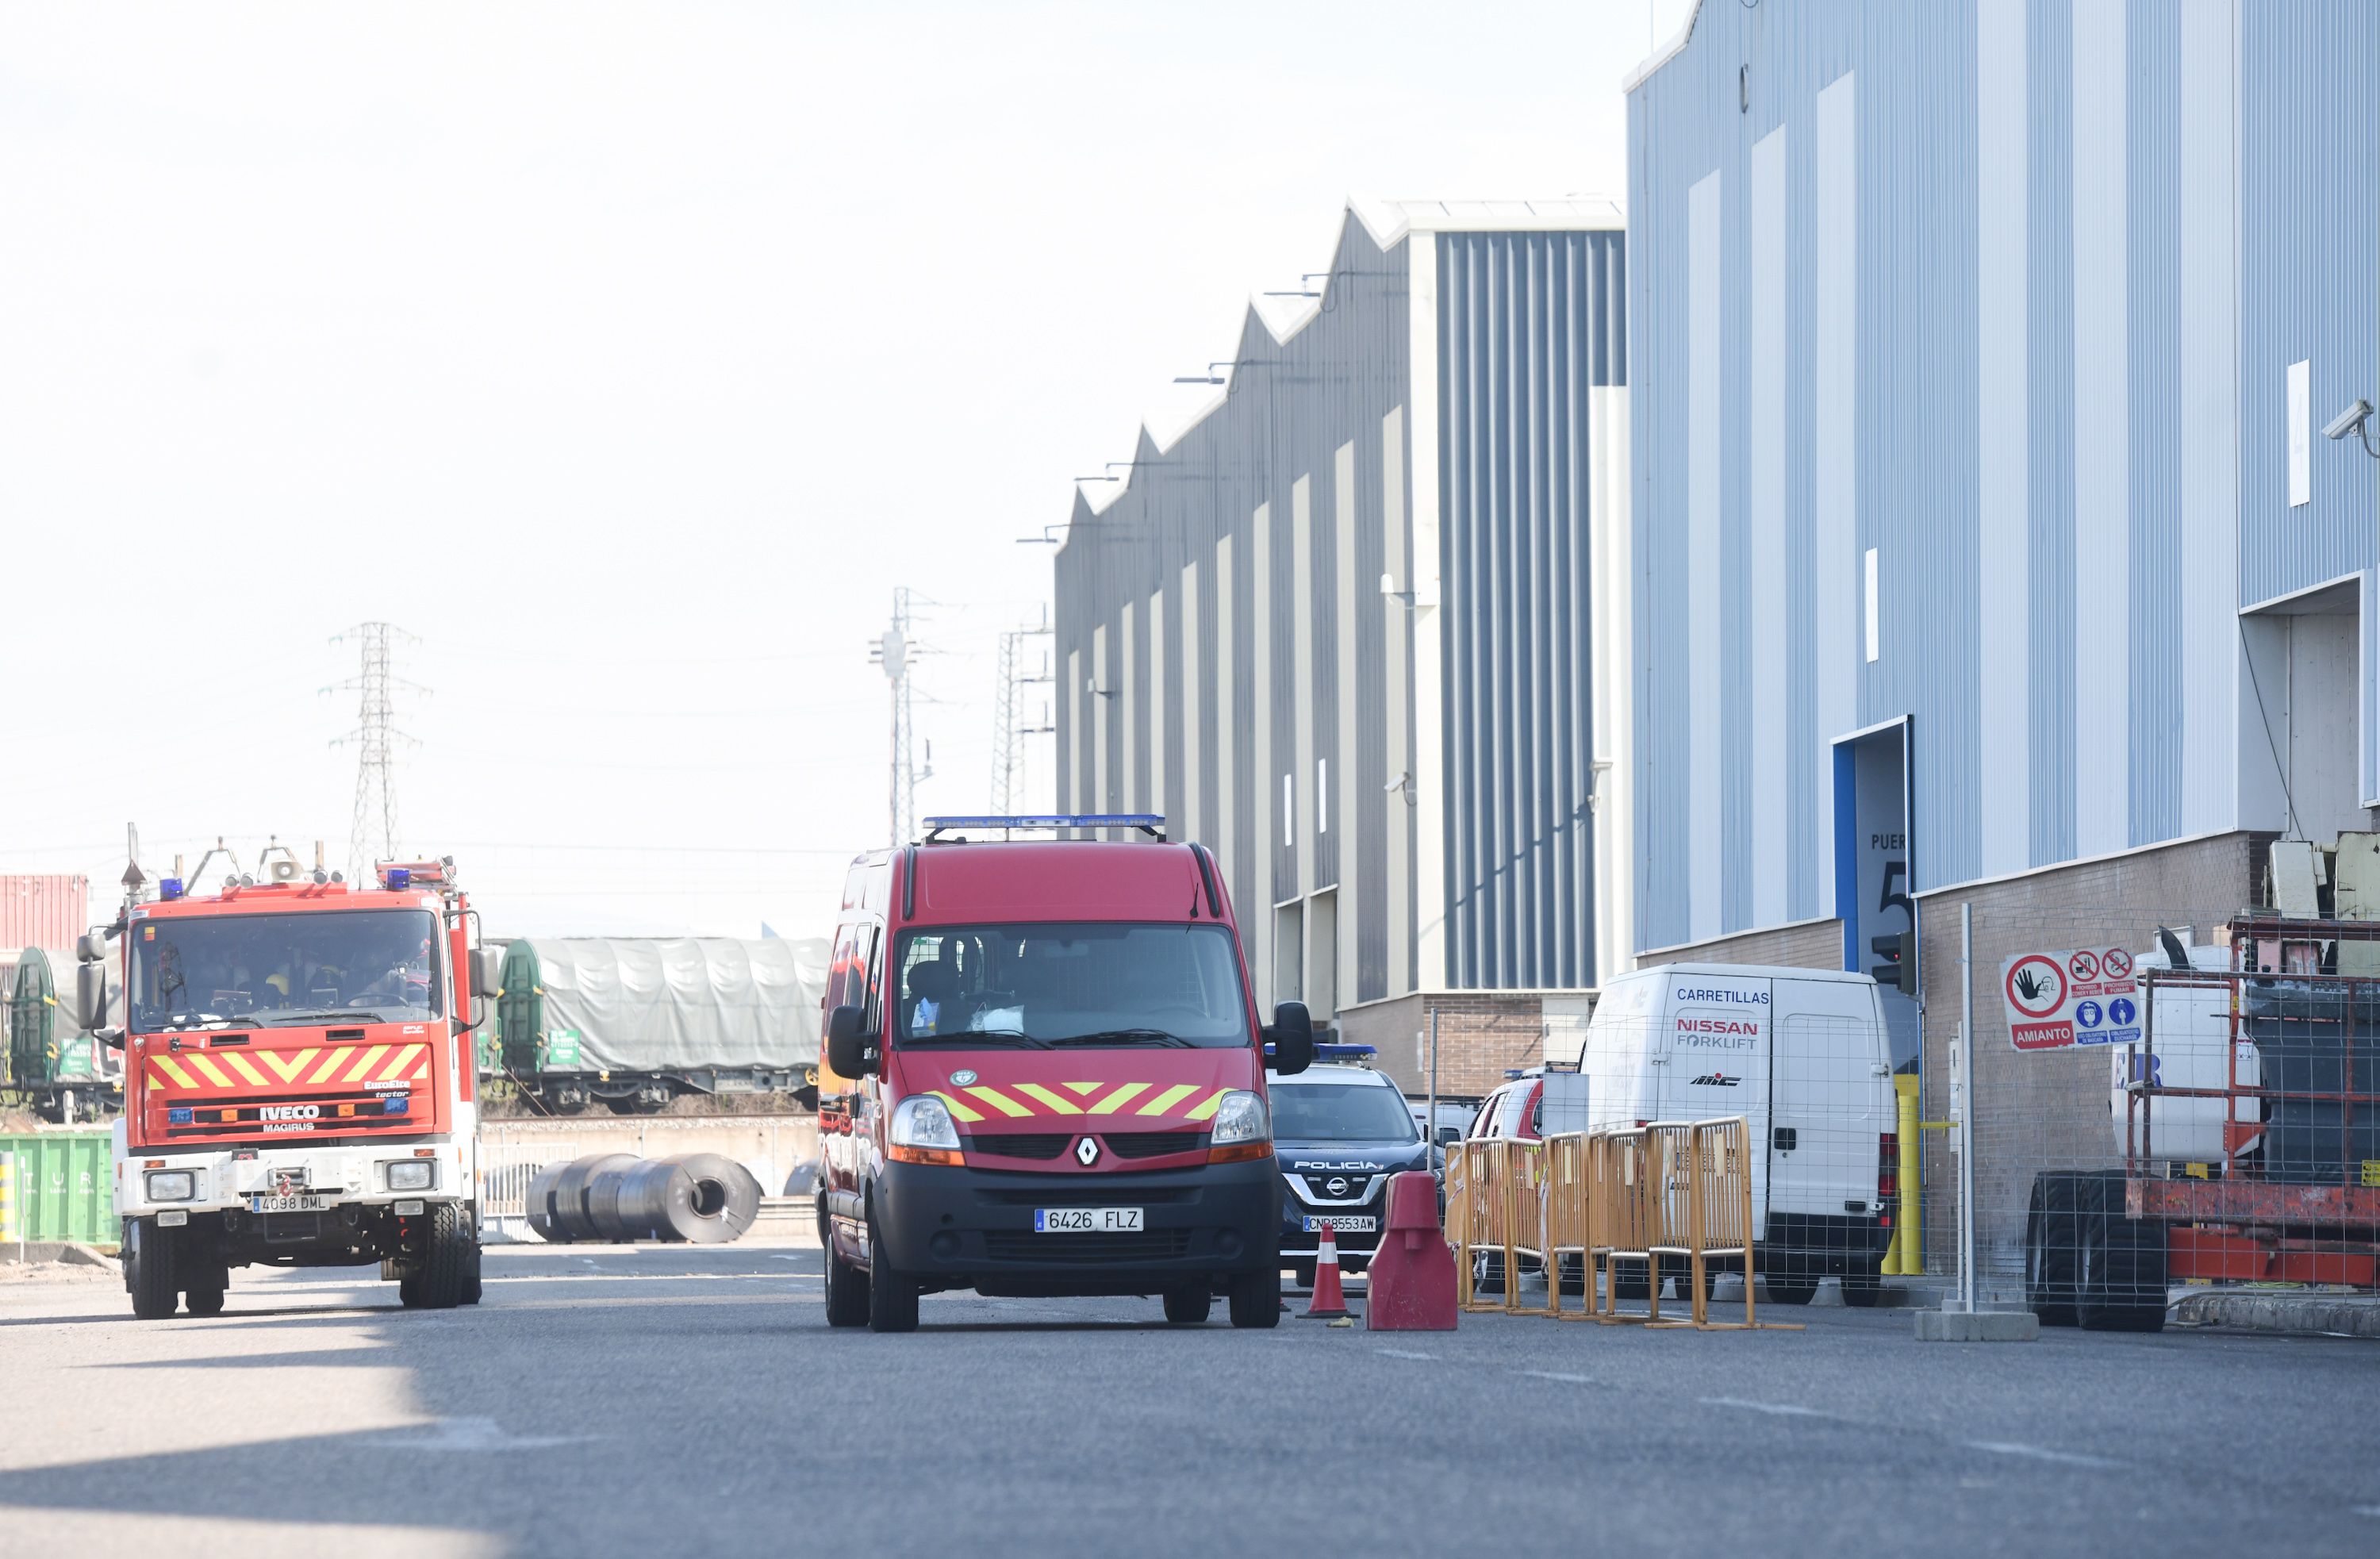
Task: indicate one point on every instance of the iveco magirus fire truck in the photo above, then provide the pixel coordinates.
(298, 1081)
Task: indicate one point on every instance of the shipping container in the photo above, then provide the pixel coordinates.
(55, 1186)
(43, 909)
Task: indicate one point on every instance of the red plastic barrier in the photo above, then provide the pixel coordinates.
(1412, 1277)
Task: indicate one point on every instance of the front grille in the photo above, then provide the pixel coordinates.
(1152, 1144)
(1356, 1186)
(1022, 1145)
(1087, 1191)
(1150, 1245)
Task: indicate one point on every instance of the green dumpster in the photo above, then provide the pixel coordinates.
(56, 1186)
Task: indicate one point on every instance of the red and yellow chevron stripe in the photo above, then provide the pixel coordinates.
(234, 1071)
(1017, 1100)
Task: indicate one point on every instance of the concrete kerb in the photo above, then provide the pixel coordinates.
(1978, 1326)
(2296, 1313)
(54, 1252)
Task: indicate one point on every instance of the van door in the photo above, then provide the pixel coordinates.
(1827, 1094)
(1718, 1039)
(1620, 1047)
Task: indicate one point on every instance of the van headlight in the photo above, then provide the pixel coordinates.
(923, 1132)
(1240, 1132)
(173, 1185)
(411, 1175)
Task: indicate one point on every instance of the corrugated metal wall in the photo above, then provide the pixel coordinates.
(2043, 269)
(1529, 327)
(1286, 495)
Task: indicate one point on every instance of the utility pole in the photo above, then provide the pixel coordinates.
(376, 739)
(893, 652)
(1008, 727)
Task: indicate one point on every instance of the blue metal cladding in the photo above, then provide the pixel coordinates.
(1528, 325)
(2240, 143)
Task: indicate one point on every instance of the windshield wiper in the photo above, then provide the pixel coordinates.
(276, 1017)
(976, 1037)
(1125, 1037)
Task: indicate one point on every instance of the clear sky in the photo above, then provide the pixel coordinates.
(629, 357)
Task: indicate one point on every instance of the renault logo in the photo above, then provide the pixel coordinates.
(1087, 1152)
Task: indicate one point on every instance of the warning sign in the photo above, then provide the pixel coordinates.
(2056, 1001)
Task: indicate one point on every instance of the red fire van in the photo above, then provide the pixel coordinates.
(1045, 1076)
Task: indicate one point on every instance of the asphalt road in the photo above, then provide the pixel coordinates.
(667, 1401)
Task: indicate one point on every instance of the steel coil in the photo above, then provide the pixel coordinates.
(571, 1214)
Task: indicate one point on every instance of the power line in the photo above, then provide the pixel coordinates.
(1008, 731)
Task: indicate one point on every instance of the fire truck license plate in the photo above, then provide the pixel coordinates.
(1086, 1220)
(304, 1202)
(1346, 1224)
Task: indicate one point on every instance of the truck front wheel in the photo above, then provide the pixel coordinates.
(149, 1269)
(449, 1260)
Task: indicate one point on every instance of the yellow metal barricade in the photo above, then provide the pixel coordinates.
(1570, 1220)
(1620, 1184)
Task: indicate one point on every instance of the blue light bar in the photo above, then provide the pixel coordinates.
(396, 879)
(1345, 1052)
(1153, 822)
(169, 888)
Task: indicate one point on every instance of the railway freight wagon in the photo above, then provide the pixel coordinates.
(59, 1070)
(637, 1022)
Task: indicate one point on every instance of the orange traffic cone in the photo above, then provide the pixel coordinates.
(1330, 1302)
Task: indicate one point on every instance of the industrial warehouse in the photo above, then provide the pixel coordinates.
(1654, 723)
(1359, 628)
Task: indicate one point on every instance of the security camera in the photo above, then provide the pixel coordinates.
(2347, 421)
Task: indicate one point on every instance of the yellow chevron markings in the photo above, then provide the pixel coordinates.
(961, 1111)
(421, 1064)
(1206, 1112)
(999, 1101)
(1064, 1106)
(1166, 1099)
(396, 1070)
(239, 1063)
(297, 1062)
(162, 1064)
(213, 1073)
(1086, 1090)
(362, 1069)
(1119, 1099)
(331, 1061)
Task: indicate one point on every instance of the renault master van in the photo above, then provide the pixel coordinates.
(1802, 1055)
(1045, 1075)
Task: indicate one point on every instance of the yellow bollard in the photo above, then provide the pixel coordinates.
(1906, 1255)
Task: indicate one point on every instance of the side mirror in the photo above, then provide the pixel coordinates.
(90, 996)
(91, 947)
(1292, 1038)
(487, 972)
(848, 1053)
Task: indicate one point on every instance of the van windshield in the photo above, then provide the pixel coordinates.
(1089, 985)
(1340, 1113)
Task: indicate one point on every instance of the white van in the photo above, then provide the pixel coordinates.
(1802, 1053)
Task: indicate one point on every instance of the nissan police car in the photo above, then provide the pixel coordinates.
(1339, 1130)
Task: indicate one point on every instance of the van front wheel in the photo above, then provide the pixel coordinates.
(891, 1299)
(1256, 1300)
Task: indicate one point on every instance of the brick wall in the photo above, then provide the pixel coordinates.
(1480, 1035)
(2045, 1112)
(1816, 945)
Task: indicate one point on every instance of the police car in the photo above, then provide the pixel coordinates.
(1339, 1130)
